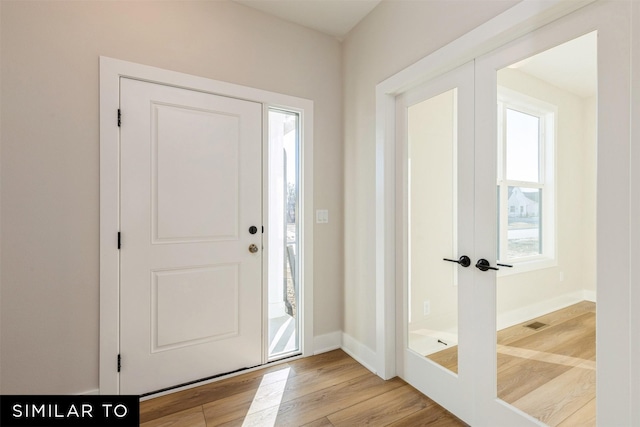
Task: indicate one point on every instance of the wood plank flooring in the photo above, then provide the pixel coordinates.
(330, 389)
(550, 372)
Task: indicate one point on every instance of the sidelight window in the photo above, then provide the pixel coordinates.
(284, 233)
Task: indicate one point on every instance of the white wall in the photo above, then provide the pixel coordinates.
(393, 36)
(431, 132)
(50, 157)
(590, 175)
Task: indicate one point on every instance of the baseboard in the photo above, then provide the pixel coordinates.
(89, 393)
(360, 352)
(532, 311)
(327, 342)
(589, 295)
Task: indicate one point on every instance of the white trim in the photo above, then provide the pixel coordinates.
(588, 295)
(354, 348)
(516, 21)
(327, 342)
(360, 352)
(111, 70)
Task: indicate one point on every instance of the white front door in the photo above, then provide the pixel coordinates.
(191, 263)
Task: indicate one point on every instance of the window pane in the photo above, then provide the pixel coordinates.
(284, 227)
(524, 225)
(523, 136)
(432, 297)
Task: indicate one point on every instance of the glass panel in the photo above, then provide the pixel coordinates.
(284, 227)
(432, 288)
(546, 303)
(523, 219)
(523, 148)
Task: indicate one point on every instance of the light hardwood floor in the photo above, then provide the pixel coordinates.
(329, 389)
(550, 373)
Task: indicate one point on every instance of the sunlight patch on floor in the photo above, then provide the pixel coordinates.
(542, 356)
(266, 403)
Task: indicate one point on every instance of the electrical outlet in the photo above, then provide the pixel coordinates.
(427, 307)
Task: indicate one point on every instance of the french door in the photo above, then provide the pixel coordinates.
(509, 234)
(437, 185)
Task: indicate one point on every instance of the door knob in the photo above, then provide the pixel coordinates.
(464, 260)
(253, 248)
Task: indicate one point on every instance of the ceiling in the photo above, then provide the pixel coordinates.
(332, 17)
(571, 66)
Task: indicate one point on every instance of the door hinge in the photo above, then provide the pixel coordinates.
(119, 363)
(118, 240)
(119, 117)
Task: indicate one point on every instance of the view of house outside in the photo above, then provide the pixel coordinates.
(523, 148)
(523, 233)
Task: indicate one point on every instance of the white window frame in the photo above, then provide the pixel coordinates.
(274, 241)
(547, 114)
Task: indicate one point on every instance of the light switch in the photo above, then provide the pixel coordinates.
(322, 216)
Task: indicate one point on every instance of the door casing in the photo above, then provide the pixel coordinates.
(111, 71)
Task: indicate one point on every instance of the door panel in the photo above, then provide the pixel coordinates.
(180, 165)
(438, 183)
(546, 344)
(191, 292)
(537, 356)
(209, 295)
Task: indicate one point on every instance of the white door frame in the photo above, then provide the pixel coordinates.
(508, 26)
(111, 70)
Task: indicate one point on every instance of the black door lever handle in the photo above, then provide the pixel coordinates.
(464, 260)
(484, 265)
